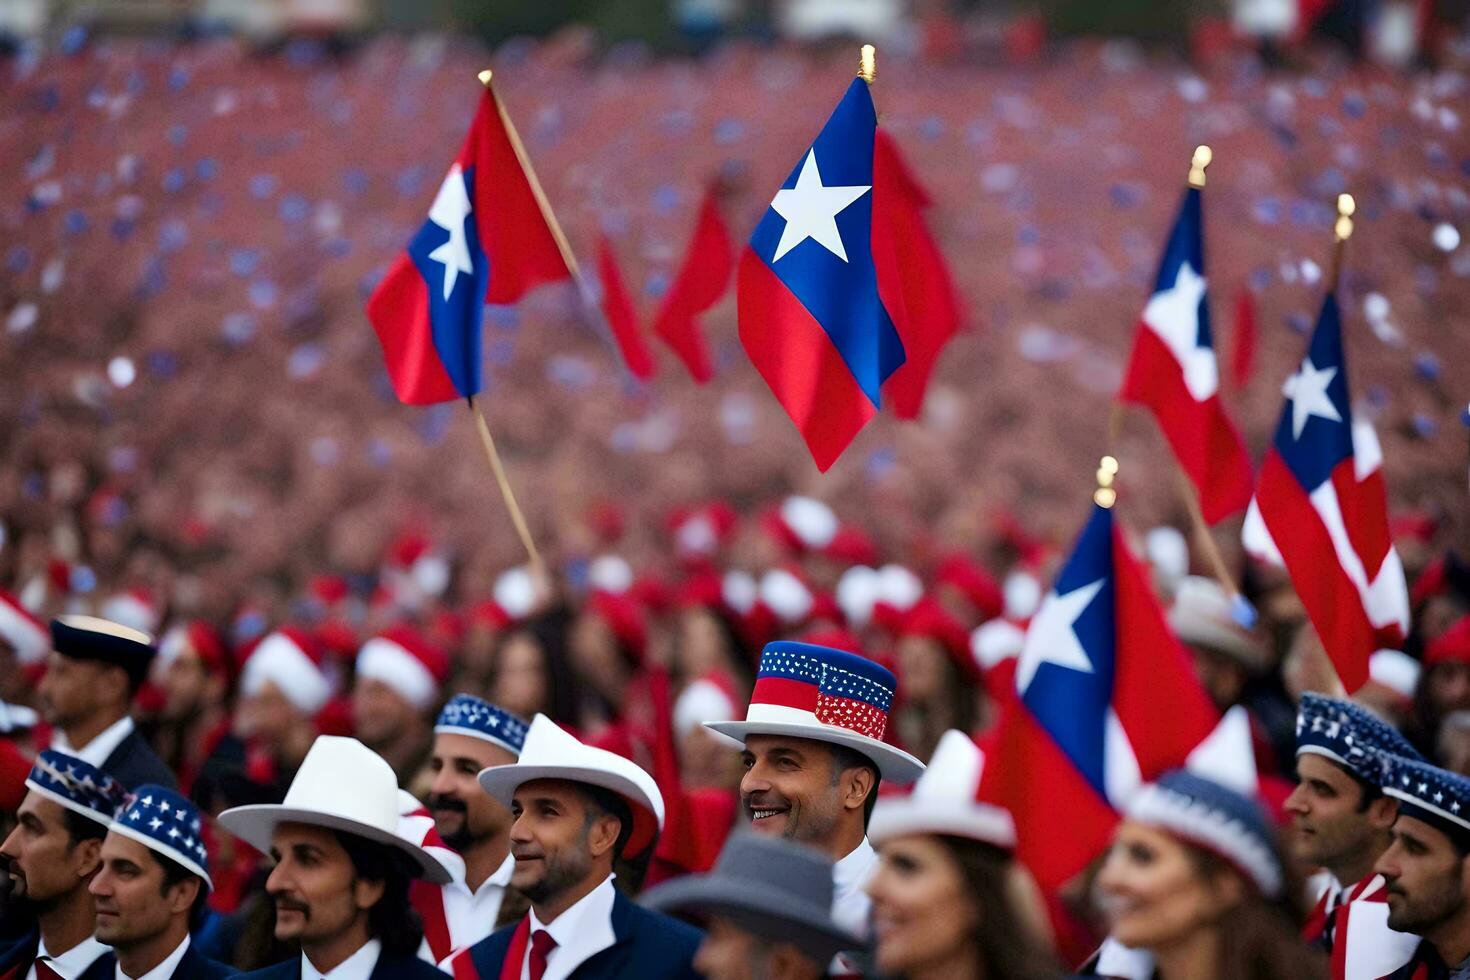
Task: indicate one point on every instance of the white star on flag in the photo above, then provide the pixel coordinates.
(451, 206)
(1173, 314)
(811, 210)
(1307, 390)
(1051, 637)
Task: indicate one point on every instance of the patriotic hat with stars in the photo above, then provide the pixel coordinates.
(475, 717)
(808, 691)
(76, 785)
(168, 824)
(1436, 796)
(1210, 816)
(1350, 736)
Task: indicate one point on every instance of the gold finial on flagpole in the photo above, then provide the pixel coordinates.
(1107, 474)
(868, 64)
(1346, 208)
(1197, 164)
(485, 76)
(1342, 230)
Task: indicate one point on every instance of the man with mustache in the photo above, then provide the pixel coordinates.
(577, 809)
(1342, 823)
(341, 876)
(471, 735)
(52, 853)
(814, 753)
(1426, 869)
(152, 888)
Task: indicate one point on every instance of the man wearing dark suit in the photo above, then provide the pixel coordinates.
(341, 875)
(576, 810)
(152, 886)
(95, 668)
(52, 855)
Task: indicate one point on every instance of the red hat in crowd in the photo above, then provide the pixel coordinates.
(404, 659)
(1450, 647)
(26, 634)
(328, 589)
(136, 608)
(973, 582)
(489, 615)
(198, 638)
(14, 769)
(624, 617)
(336, 639)
(927, 618)
(700, 590)
(898, 589)
(608, 521)
(802, 524)
(700, 532)
(289, 659)
(850, 546)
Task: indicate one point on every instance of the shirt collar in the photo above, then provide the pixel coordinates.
(584, 929)
(75, 961)
(852, 871)
(97, 750)
(164, 970)
(358, 966)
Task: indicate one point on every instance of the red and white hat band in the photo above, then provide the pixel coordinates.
(280, 662)
(797, 686)
(383, 660)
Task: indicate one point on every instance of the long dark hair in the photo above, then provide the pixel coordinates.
(549, 630)
(1007, 946)
(1261, 936)
(393, 921)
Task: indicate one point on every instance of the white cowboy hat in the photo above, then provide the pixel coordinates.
(827, 695)
(943, 800)
(551, 753)
(344, 785)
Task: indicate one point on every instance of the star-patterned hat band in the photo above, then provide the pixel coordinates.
(827, 695)
(1436, 796)
(466, 714)
(76, 785)
(166, 822)
(1350, 736)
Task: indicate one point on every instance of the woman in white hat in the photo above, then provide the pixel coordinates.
(342, 872)
(948, 900)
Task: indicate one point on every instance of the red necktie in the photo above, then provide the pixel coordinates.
(541, 946)
(44, 970)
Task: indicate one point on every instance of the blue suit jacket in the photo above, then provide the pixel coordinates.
(134, 763)
(16, 960)
(196, 966)
(648, 946)
(388, 968)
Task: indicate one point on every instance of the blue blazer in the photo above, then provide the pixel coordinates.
(134, 763)
(196, 966)
(388, 968)
(648, 946)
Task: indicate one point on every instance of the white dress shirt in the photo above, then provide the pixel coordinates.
(358, 966)
(97, 750)
(164, 970)
(581, 932)
(74, 962)
(472, 915)
(850, 902)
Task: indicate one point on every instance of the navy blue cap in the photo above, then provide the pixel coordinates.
(1350, 736)
(466, 714)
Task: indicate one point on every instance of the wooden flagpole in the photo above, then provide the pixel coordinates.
(538, 567)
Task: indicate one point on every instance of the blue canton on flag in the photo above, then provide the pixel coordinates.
(1315, 432)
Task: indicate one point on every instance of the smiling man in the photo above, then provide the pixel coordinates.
(1341, 823)
(152, 885)
(471, 735)
(341, 875)
(1426, 869)
(52, 854)
(577, 809)
(814, 753)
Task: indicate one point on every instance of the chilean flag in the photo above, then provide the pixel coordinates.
(810, 315)
(1321, 511)
(487, 240)
(1108, 701)
(1174, 372)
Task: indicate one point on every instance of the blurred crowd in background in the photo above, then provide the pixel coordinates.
(199, 439)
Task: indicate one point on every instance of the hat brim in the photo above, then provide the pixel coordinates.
(894, 764)
(256, 824)
(501, 783)
(188, 864)
(1222, 641)
(785, 919)
(893, 818)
